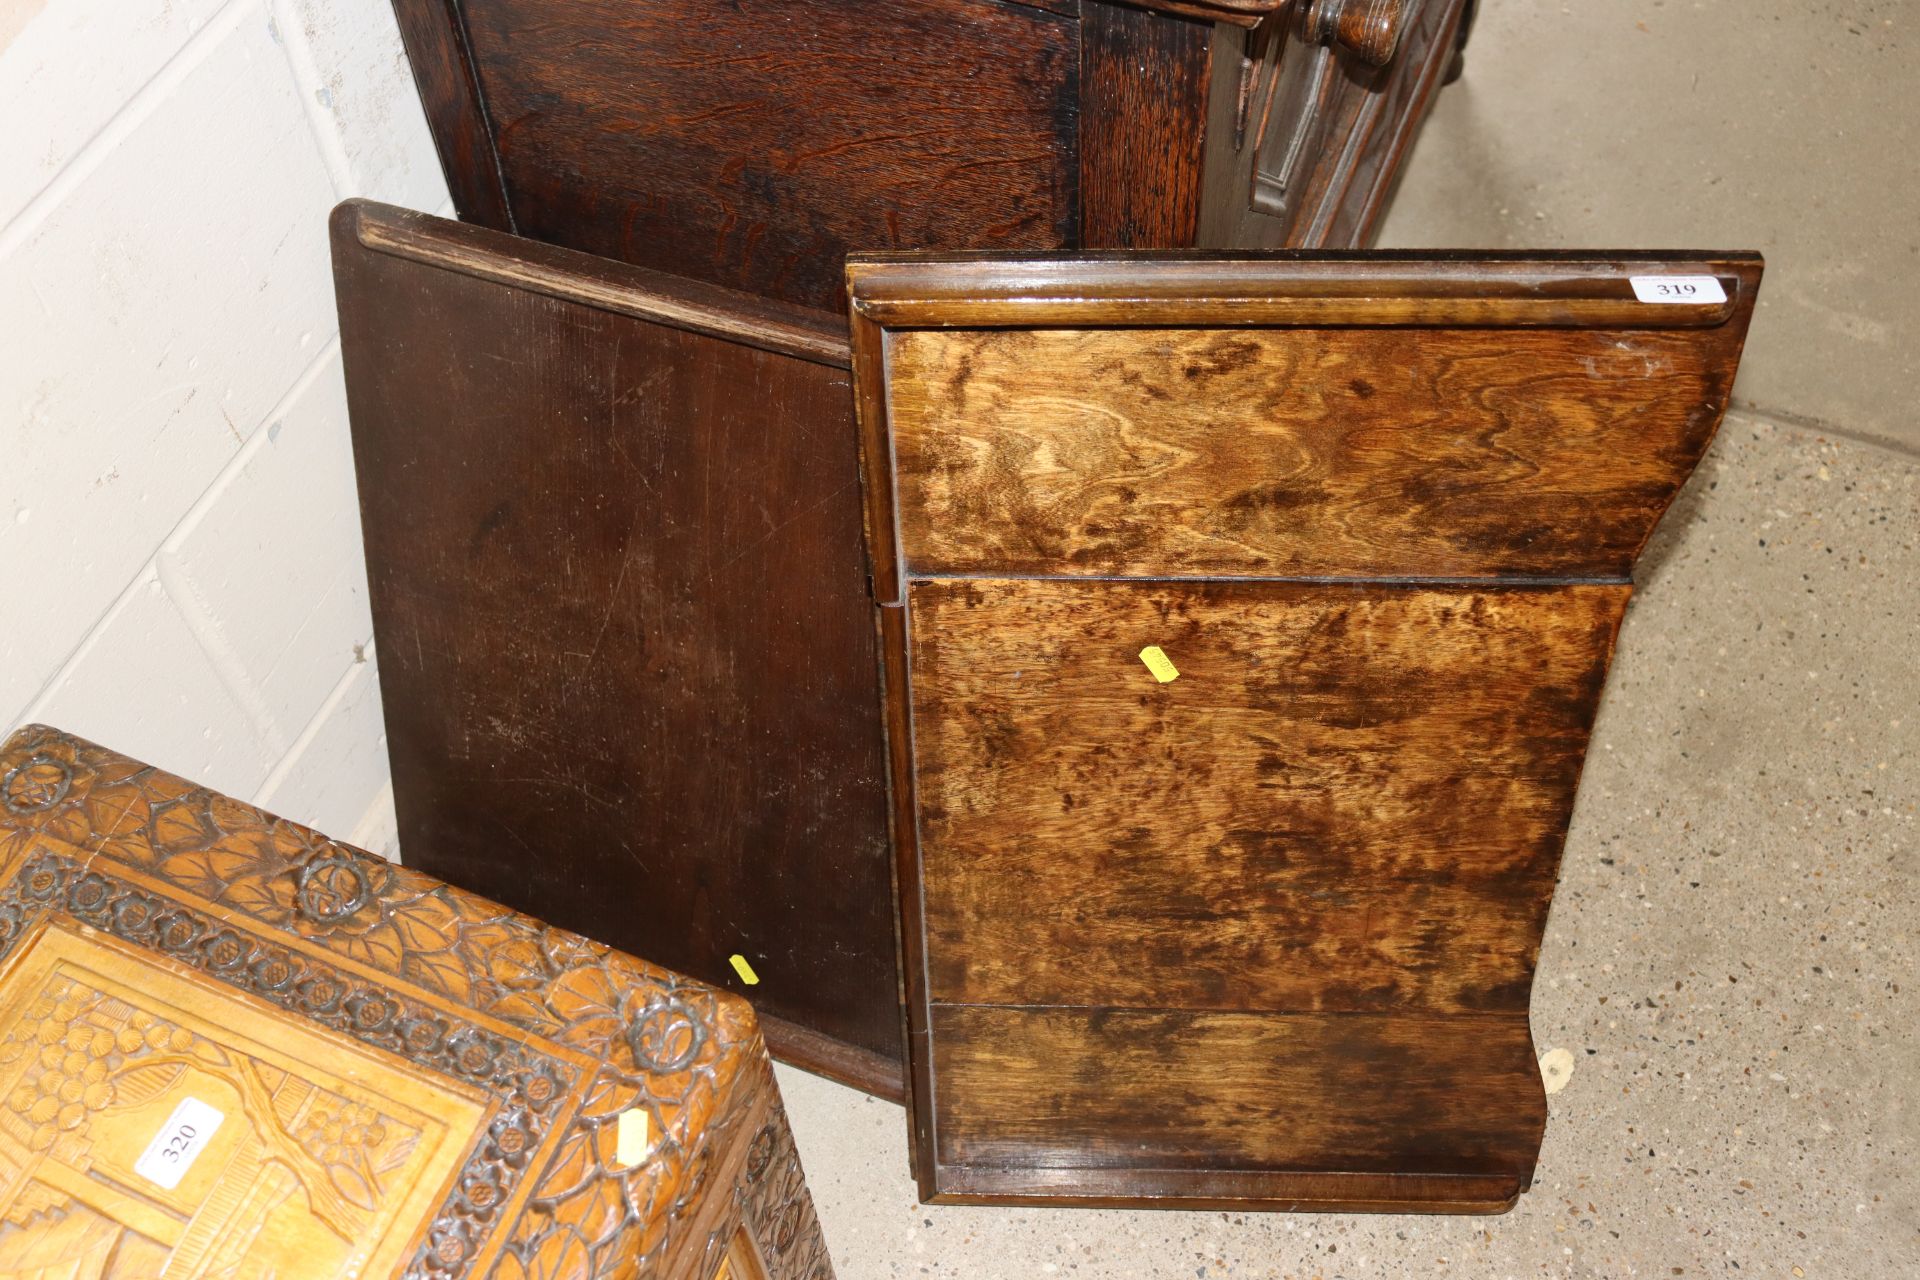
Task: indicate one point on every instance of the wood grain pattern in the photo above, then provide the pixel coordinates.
(1280, 828)
(1143, 124)
(443, 71)
(417, 1081)
(627, 665)
(1294, 452)
(1234, 1092)
(753, 144)
(1258, 931)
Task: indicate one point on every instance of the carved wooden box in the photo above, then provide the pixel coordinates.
(232, 1047)
(1244, 625)
(627, 657)
(753, 144)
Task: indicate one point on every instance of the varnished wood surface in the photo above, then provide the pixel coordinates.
(627, 661)
(1425, 396)
(413, 1081)
(754, 144)
(443, 70)
(1294, 452)
(1260, 935)
(1170, 1089)
(1283, 827)
(1143, 111)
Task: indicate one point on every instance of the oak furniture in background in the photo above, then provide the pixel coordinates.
(753, 144)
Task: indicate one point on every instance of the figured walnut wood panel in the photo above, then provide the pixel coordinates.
(628, 668)
(1292, 824)
(1156, 1090)
(1296, 452)
(179, 940)
(1262, 935)
(753, 144)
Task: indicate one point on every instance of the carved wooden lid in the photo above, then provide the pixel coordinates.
(223, 1035)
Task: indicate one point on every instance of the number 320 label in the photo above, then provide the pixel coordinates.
(179, 1143)
(1681, 289)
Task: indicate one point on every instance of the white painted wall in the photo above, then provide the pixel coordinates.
(180, 566)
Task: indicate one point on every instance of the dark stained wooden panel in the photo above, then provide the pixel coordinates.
(436, 41)
(1295, 452)
(1282, 827)
(1143, 126)
(626, 658)
(1175, 1089)
(753, 144)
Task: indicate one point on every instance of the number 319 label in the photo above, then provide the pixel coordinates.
(179, 1143)
(1700, 289)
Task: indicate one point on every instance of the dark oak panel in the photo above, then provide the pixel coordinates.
(1281, 827)
(1142, 109)
(754, 144)
(626, 661)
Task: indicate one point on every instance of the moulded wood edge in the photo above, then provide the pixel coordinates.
(835, 1060)
(602, 283)
(1151, 287)
(1227, 1190)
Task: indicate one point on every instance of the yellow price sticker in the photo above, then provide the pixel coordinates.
(630, 1137)
(1158, 663)
(745, 970)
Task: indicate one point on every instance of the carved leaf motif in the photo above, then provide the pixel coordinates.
(178, 826)
(609, 1096)
(162, 787)
(584, 995)
(440, 970)
(597, 1211)
(523, 1010)
(378, 946)
(352, 1187)
(510, 1268)
(12, 845)
(563, 1255)
(134, 850)
(517, 965)
(209, 872)
(117, 809)
(574, 1165)
(138, 1084)
(427, 924)
(70, 825)
(232, 815)
(257, 898)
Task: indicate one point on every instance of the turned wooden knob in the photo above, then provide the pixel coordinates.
(1369, 29)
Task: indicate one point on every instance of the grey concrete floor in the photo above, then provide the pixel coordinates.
(1731, 955)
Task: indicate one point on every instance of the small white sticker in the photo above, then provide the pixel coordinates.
(1703, 290)
(179, 1143)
